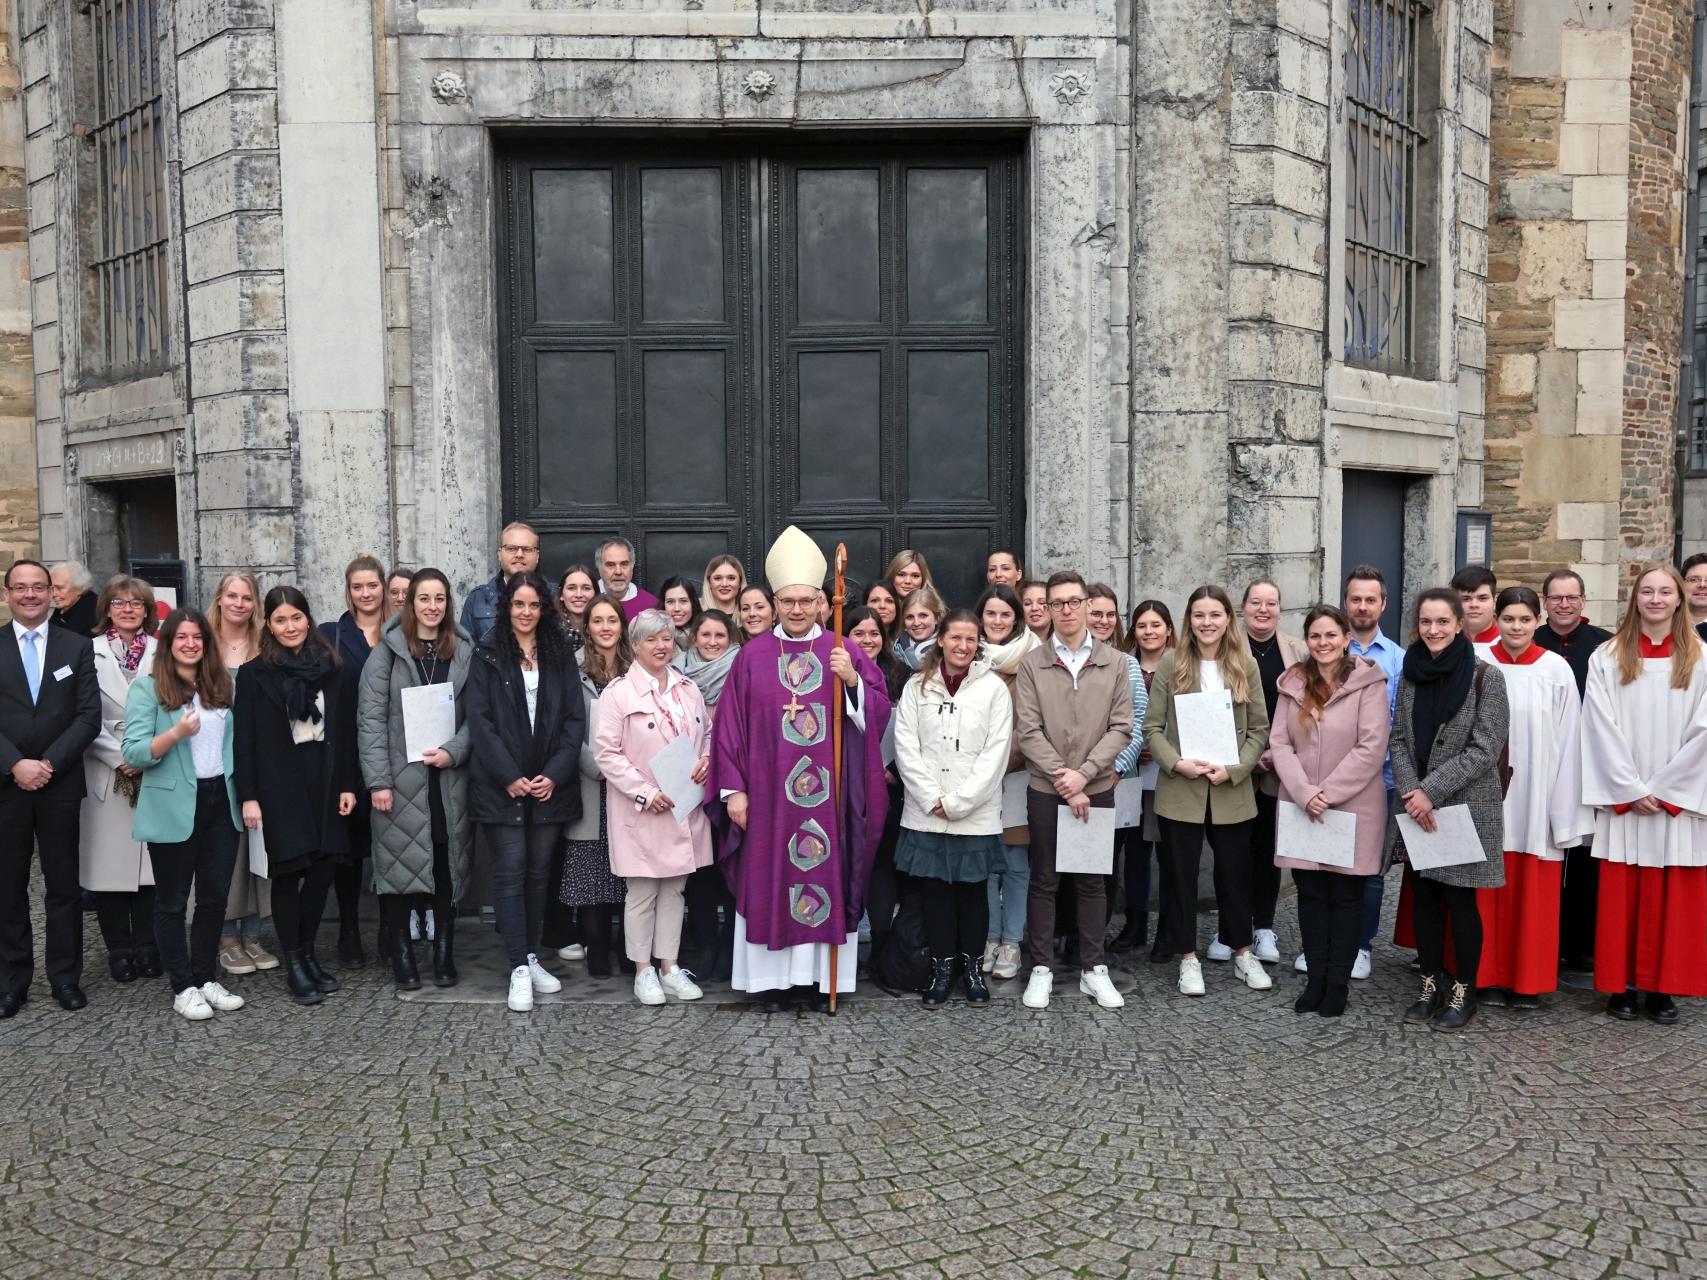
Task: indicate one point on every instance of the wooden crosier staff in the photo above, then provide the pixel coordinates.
(836, 701)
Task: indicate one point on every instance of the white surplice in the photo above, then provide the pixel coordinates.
(1544, 812)
(1646, 739)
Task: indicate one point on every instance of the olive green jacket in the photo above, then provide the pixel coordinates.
(1181, 799)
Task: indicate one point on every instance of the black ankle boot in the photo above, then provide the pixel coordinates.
(303, 988)
(148, 961)
(942, 982)
(444, 953)
(976, 992)
(1334, 1000)
(1460, 1010)
(1660, 1008)
(1311, 1000)
(401, 952)
(323, 980)
(350, 953)
(1428, 1001)
(122, 966)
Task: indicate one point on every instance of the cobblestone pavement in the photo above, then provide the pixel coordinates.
(1216, 1137)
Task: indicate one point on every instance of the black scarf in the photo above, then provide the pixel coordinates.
(1442, 682)
(300, 675)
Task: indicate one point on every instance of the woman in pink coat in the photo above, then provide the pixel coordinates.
(1328, 740)
(639, 715)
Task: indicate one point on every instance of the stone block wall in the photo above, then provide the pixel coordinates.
(19, 532)
(1585, 288)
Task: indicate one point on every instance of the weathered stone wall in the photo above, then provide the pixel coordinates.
(1586, 286)
(19, 531)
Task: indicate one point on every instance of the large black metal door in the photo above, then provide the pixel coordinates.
(1372, 531)
(704, 343)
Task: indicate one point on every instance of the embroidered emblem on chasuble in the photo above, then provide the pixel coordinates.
(809, 904)
(804, 728)
(807, 786)
(808, 847)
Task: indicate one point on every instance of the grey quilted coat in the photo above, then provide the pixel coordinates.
(1464, 762)
(403, 838)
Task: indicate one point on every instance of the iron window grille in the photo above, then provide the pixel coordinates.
(129, 265)
(1384, 141)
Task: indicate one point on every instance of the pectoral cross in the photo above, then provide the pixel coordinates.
(794, 706)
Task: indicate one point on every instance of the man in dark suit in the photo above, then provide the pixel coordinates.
(50, 711)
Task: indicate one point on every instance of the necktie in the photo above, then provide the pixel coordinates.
(32, 664)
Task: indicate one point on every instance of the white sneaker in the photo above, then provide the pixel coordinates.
(988, 963)
(1097, 986)
(544, 984)
(1360, 967)
(189, 1004)
(574, 951)
(521, 989)
(1219, 950)
(1266, 946)
(1248, 967)
(1190, 976)
(219, 998)
(679, 983)
(647, 988)
(1037, 988)
(1301, 965)
(1007, 961)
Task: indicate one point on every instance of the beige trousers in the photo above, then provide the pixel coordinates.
(652, 919)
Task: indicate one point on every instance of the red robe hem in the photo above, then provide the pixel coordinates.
(1520, 927)
(1651, 930)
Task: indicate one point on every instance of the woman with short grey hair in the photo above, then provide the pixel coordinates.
(655, 849)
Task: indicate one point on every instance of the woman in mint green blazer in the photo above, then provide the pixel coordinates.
(178, 732)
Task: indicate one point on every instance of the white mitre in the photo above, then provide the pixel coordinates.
(794, 560)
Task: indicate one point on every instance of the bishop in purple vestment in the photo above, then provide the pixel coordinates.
(799, 869)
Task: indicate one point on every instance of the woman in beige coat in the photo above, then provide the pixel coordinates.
(1197, 799)
(113, 864)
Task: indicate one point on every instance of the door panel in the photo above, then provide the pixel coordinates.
(1372, 531)
(702, 343)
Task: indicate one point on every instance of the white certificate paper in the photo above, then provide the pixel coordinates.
(1128, 803)
(429, 718)
(1453, 842)
(1206, 727)
(672, 768)
(1147, 775)
(1013, 799)
(1331, 842)
(1086, 848)
(257, 852)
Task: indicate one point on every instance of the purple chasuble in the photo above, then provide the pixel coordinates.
(798, 875)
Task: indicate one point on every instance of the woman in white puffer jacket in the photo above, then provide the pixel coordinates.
(952, 735)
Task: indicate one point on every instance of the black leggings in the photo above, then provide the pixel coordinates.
(1435, 904)
(957, 916)
(299, 900)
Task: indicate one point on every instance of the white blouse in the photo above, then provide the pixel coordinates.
(207, 747)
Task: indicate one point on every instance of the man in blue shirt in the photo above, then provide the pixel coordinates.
(1365, 602)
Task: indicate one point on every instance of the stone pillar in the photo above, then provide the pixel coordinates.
(329, 189)
(241, 446)
(1585, 288)
(19, 535)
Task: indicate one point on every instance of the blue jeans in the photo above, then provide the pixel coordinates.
(1373, 887)
(521, 868)
(1006, 892)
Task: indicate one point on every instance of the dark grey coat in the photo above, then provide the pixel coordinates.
(403, 838)
(1465, 770)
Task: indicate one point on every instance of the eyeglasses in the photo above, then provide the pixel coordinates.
(796, 603)
(1102, 615)
(127, 604)
(1066, 606)
(1564, 599)
(516, 548)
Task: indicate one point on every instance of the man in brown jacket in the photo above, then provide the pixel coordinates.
(1072, 716)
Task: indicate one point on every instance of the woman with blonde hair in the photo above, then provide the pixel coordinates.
(909, 572)
(235, 624)
(1645, 774)
(724, 579)
(921, 616)
(1200, 799)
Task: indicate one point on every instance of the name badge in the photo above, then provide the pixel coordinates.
(62, 673)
